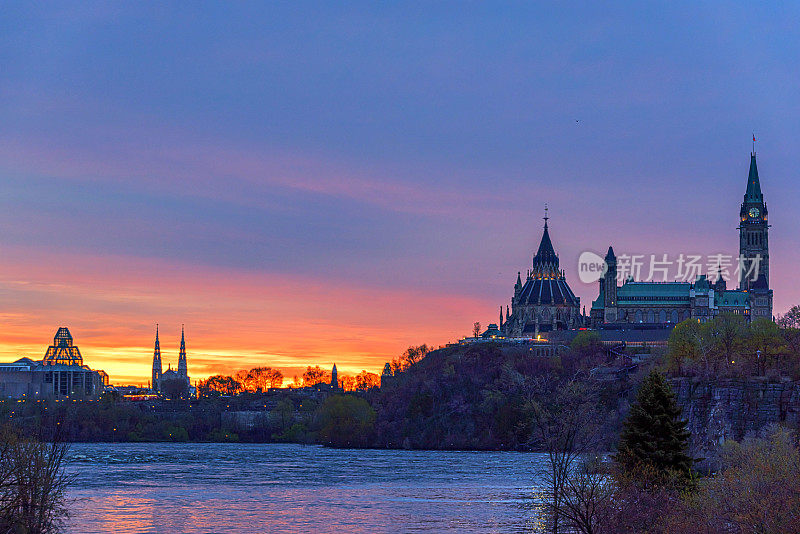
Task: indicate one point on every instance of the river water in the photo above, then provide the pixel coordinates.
(223, 488)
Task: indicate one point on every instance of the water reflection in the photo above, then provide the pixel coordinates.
(205, 488)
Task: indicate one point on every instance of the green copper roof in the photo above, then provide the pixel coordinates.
(678, 289)
(600, 302)
(653, 293)
(753, 193)
(727, 299)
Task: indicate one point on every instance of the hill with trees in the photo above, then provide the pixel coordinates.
(482, 395)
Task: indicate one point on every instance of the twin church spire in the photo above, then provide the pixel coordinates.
(182, 372)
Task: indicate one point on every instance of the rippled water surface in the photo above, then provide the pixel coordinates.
(205, 488)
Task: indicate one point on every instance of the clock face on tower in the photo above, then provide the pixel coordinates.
(754, 212)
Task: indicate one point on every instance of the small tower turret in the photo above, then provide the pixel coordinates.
(609, 287)
(719, 284)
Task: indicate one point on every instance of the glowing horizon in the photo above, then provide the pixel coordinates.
(254, 332)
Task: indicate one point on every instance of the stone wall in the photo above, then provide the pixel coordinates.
(732, 409)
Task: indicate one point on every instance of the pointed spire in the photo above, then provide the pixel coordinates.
(610, 255)
(753, 193)
(182, 369)
(720, 284)
(546, 258)
(156, 375)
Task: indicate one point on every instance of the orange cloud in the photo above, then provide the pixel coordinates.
(234, 319)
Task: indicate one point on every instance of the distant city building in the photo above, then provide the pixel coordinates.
(334, 378)
(659, 303)
(544, 302)
(492, 332)
(60, 374)
(161, 381)
(387, 376)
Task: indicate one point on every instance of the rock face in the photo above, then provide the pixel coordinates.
(732, 409)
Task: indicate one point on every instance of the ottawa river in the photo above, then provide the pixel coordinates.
(209, 488)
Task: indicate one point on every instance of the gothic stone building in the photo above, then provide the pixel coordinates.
(545, 301)
(182, 373)
(672, 302)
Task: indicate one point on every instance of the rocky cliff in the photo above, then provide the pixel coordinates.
(732, 409)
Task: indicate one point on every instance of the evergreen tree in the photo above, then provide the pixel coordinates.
(654, 433)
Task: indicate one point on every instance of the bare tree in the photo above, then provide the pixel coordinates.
(476, 329)
(586, 500)
(32, 484)
(564, 428)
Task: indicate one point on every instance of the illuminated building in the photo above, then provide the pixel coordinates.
(665, 303)
(545, 301)
(60, 374)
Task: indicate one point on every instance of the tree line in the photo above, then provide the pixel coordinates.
(729, 346)
(261, 379)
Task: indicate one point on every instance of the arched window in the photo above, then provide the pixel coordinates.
(651, 317)
(674, 316)
(662, 316)
(638, 316)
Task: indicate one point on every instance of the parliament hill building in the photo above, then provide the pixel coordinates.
(671, 302)
(543, 301)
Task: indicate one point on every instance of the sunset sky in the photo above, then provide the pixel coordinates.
(305, 184)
